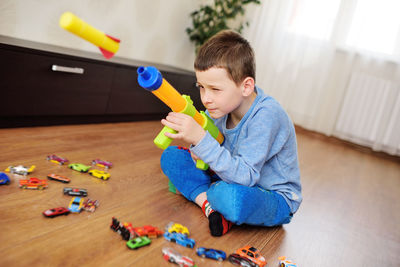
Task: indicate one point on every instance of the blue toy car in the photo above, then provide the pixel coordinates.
(4, 178)
(218, 255)
(76, 204)
(180, 239)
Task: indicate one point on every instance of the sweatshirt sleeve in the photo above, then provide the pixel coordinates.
(263, 137)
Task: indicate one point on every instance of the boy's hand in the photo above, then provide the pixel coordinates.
(194, 157)
(188, 129)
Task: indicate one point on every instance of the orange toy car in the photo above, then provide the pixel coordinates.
(252, 254)
(33, 183)
(59, 178)
(148, 230)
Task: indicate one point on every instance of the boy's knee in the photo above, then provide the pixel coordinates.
(231, 200)
(172, 157)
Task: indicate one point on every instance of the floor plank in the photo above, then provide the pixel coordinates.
(350, 215)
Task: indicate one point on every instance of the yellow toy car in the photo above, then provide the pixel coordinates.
(99, 174)
(176, 228)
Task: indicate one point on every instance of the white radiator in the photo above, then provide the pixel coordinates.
(370, 114)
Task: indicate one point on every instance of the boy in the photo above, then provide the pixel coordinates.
(257, 178)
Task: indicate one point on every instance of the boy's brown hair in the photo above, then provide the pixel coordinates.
(229, 50)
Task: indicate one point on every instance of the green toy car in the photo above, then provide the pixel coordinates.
(79, 167)
(138, 242)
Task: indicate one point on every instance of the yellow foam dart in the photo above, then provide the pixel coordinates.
(151, 79)
(107, 44)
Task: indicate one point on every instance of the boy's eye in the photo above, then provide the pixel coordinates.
(199, 86)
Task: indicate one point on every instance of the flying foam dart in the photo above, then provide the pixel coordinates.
(107, 44)
(151, 79)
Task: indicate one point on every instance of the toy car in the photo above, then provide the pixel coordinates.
(121, 229)
(56, 159)
(180, 239)
(22, 170)
(33, 183)
(79, 167)
(236, 259)
(283, 262)
(102, 163)
(80, 192)
(56, 212)
(58, 178)
(148, 230)
(252, 254)
(176, 228)
(218, 255)
(99, 174)
(138, 242)
(76, 204)
(174, 256)
(90, 205)
(4, 179)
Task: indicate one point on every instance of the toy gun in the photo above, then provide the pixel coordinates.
(151, 79)
(107, 44)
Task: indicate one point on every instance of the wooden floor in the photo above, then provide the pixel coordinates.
(350, 215)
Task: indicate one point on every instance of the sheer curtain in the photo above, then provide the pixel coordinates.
(334, 65)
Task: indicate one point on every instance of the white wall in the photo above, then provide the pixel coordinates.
(150, 30)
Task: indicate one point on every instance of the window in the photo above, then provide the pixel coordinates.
(313, 18)
(375, 26)
(369, 25)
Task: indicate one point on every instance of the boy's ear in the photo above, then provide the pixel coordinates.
(248, 86)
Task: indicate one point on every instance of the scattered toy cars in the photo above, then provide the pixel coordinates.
(176, 228)
(138, 242)
(102, 163)
(33, 183)
(180, 239)
(283, 262)
(174, 256)
(56, 159)
(22, 170)
(250, 253)
(99, 174)
(76, 204)
(79, 167)
(58, 178)
(56, 212)
(90, 205)
(215, 254)
(4, 179)
(80, 192)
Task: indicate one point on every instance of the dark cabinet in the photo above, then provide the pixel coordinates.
(46, 87)
(31, 88)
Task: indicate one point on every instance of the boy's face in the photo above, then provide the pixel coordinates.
(218, 92)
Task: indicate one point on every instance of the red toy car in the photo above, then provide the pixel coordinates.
(58, 178)
(174, 256)
(102, 163)
(56, 212)
(90, 205)
(57, 159)
(33, 183)
(149, 231)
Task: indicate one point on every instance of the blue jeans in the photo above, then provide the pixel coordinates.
(237, 203)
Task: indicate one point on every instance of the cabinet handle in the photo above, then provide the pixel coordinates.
(67, 69)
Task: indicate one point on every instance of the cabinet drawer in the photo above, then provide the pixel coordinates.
(128, 97)
(30, 87)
